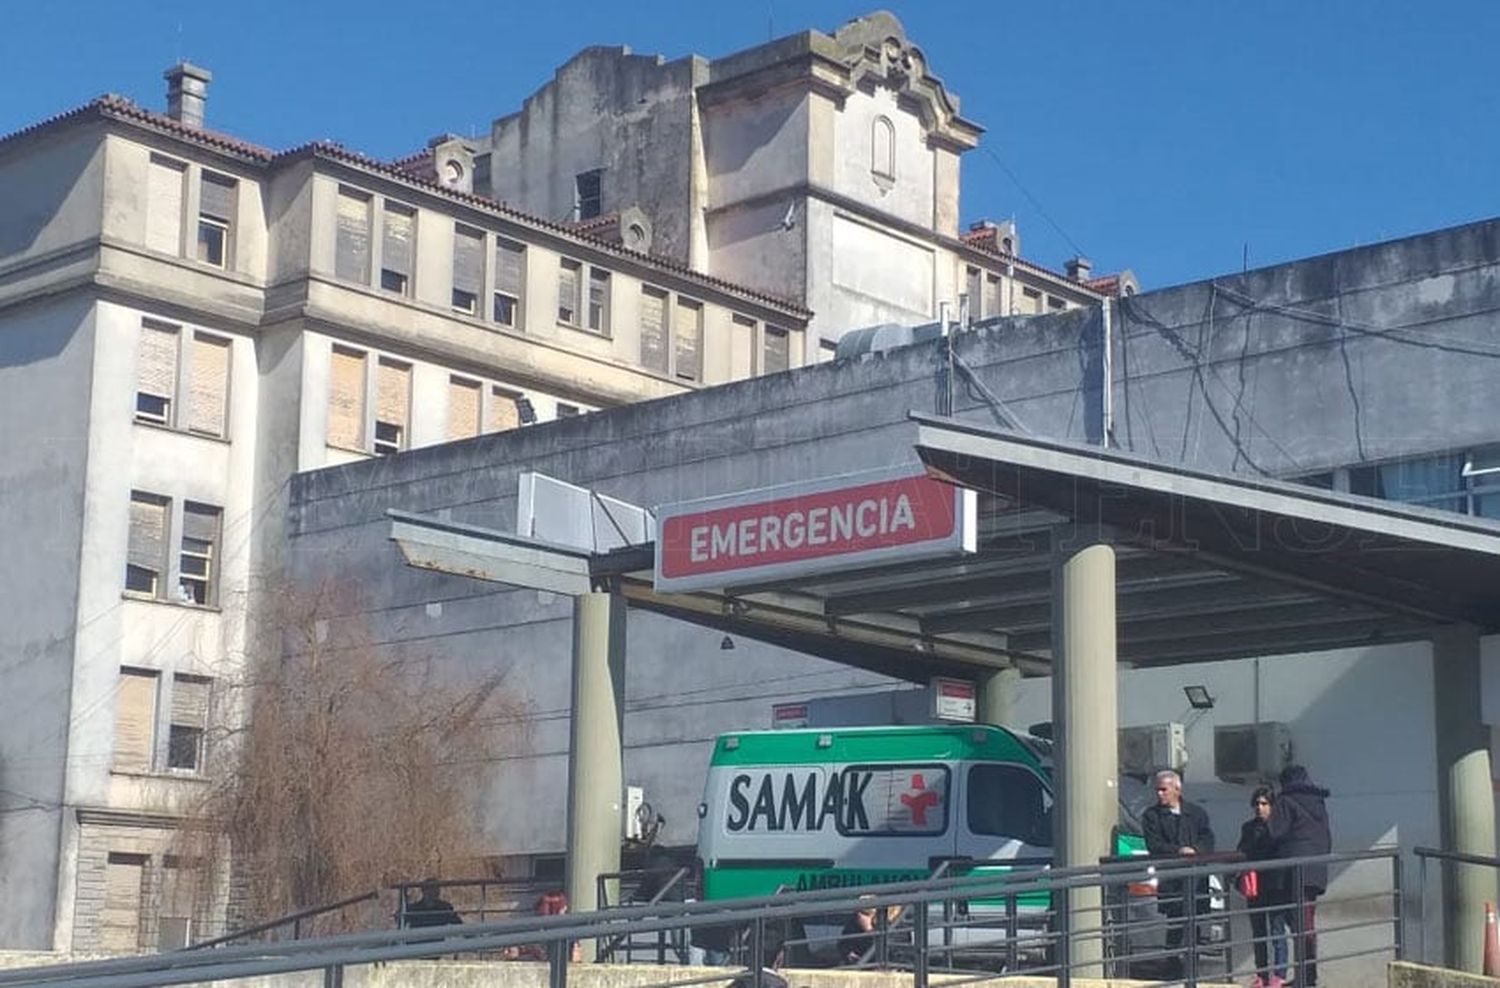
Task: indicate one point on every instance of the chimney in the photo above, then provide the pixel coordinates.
(1079, 267)
(187, 91)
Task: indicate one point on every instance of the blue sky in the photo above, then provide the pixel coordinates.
(1167, 137)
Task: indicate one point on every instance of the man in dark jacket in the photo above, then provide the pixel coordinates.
(1173, 828)
(1298, 828)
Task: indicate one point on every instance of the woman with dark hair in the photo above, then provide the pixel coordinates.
(1269, 922)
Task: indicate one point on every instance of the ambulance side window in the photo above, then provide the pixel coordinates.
(1009, 801)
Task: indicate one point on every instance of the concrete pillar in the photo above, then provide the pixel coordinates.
(1084, 718)
(1466, 798)
(997, 696)
(595, 754)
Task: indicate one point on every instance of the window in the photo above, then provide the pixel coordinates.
(156, 374)
(175, 915)
(1053, 302)
(188, 723)
(463, 408)
(566, 411)
(883, 150)
(599, 301)
(135, 720)
(568, 274)
(217, 198)
(991, 301)
(352, 241)
(899, 800)
(506, 410)
(510, 275)
(157, 379)
(146, 554)
(973, 280)
(827, 350)
(688, 340)
(654, 353)
(1434, 482)
(396, 231)
(468, 269)
(588, 196)
(1009, 801)
(392, 404)
(120, 925)
(346, 399)
(776, 353)
(165, 183)
(1033, 303)
(196, 568)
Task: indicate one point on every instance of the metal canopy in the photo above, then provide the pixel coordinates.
(1209, 567)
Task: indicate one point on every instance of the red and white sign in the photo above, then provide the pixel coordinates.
(776, 533)
(788, 715)
(953, 699)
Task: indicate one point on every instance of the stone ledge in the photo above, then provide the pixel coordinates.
(1402, 974)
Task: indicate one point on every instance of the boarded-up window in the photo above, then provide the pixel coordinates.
(654, 330)
(992, 296)
(468, 269)
(392, 402)
(396, 248)
(146, 554)
(777, 354)
(510, 276)
(352, 243)
(156, 374)
(208, 384)
(567, 291)
(164, 187)
(502, 412)
(120, 926)
(972, 287)
(346, 399)
(463, 408)
(135, 720)
(189, 722)
(688, 340)
(198, 564)
(599, 300)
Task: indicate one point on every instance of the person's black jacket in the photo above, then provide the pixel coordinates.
(1166, 832)
(1299, 825)
(1256, 845)
(431, 912)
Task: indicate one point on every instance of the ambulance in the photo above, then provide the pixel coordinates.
(851, 806)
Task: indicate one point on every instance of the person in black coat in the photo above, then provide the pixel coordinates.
(1173, 828)
(1299, 828)
(1269, 919)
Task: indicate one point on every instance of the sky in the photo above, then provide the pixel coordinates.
(1176, 139)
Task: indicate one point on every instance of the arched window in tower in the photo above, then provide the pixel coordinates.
(883, 152)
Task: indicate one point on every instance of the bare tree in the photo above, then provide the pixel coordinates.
(350, 767)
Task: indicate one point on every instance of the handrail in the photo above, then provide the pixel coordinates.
(295, 917)
(260, 959)
(620, 938)
(1457, 856)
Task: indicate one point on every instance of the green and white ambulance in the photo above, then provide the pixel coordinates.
(851, 806)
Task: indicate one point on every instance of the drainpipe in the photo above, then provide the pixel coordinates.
(1107, 387)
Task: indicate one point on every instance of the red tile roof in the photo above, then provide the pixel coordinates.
(111, 106)
(1107, 285)
(986, 239)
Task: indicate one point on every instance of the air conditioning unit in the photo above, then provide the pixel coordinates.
(636, 811)
(1152, 747)
(1251, 752)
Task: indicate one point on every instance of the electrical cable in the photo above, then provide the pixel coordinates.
(1079, 251)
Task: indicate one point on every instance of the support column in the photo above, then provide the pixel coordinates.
(1084, 718)
(595, 754)
(997, 697)
(1466, 798)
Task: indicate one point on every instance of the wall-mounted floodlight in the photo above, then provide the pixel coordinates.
(1198, 697)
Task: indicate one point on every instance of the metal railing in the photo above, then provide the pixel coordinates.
(1054, 923)
(295, 920)
(1423, 855)
(659, 884)
(480, 899)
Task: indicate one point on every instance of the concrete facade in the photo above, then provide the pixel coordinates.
(819, 167)
(117, 240)
(1229, 385)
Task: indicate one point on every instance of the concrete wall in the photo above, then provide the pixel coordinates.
(46, 362)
